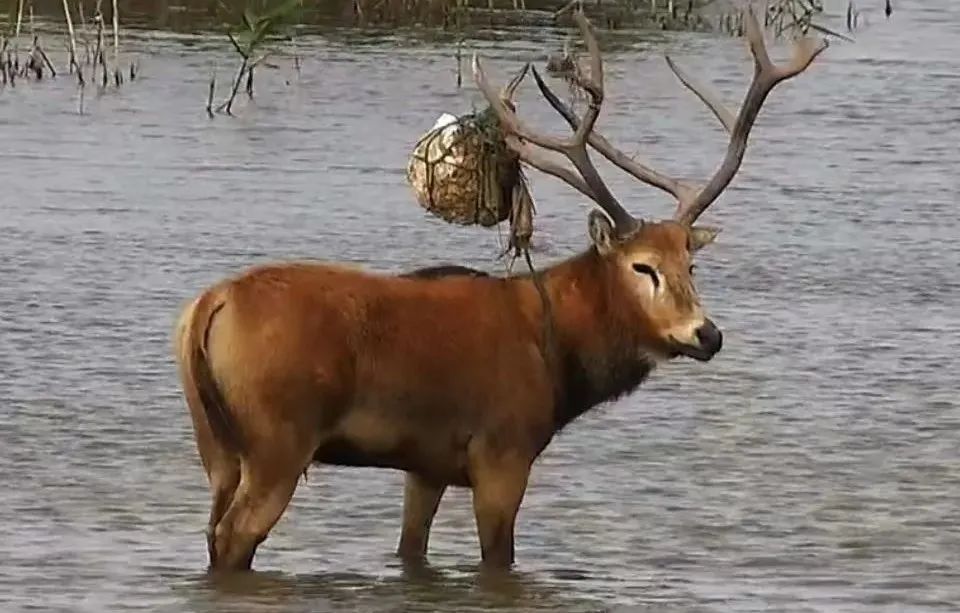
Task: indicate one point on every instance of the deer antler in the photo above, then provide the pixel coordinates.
(506, 94)
(766, 76)
(691, 201)
(589, 181)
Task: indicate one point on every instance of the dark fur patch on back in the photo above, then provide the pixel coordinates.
(443, 270)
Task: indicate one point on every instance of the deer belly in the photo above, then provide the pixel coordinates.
(371, 439)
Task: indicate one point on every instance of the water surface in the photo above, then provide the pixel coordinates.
(812, 466)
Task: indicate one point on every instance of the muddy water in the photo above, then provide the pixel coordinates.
(812, 466)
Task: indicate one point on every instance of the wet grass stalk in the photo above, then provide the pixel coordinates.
(459, 58)
(73, 43)
(103, 69)
(296, 56)
(8, 69)
(853, 17)
(3, 64)
(253, 65)
(37, 62)
(227, 105)
(39, 59)
(85, 29)
(458, 21)
(784, 18)
(97, 40)
(117, 75)
(16, 38)
(210, 94)
(74, 62)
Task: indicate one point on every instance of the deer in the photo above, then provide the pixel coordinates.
(455, 377)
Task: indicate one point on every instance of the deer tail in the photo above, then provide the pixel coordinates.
(198, 379)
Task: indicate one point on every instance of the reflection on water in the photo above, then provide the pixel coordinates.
(410, 589)
(810, 466)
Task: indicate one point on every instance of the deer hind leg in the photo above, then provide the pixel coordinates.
(222, 468)
(224, 479)
(266, 486)
(420, 501)
(499, 479)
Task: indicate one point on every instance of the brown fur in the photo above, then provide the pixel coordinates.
(442, 373)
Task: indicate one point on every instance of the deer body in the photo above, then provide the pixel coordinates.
(451, 375)
(447, 378)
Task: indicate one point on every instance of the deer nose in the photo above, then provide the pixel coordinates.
(710, 337)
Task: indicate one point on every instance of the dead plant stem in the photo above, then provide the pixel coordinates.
(116, 43)
(73, 41)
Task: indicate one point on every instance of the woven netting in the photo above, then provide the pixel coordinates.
(463, 172)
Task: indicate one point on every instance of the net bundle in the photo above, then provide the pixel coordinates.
(463, 172)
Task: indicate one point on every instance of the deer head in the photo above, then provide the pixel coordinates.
(651, 260)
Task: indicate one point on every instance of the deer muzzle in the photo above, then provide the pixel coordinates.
(706, 342)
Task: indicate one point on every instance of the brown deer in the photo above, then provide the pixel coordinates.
(448, 374)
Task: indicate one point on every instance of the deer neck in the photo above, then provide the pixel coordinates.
(596, 357)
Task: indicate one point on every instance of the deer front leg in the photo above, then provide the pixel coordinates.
(499, 480)
(420, 501)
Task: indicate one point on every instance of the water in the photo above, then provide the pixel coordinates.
(812, 466)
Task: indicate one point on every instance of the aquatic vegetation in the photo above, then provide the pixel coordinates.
(37, 63)
(259, 26)
(256, 29)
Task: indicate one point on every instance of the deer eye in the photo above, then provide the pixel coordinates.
(692, 268)
(644, 269)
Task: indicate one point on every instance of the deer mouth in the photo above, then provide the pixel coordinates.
(701, 354)
(702, 351)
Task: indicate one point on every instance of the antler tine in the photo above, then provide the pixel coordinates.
(575, 148)
(678, 189)
(524, 148)
(531, 155)
(544, 163)
(706, 95)
(766, 76)
(511, 87)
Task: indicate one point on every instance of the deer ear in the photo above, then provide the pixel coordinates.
(701, 236)
(601, 231)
